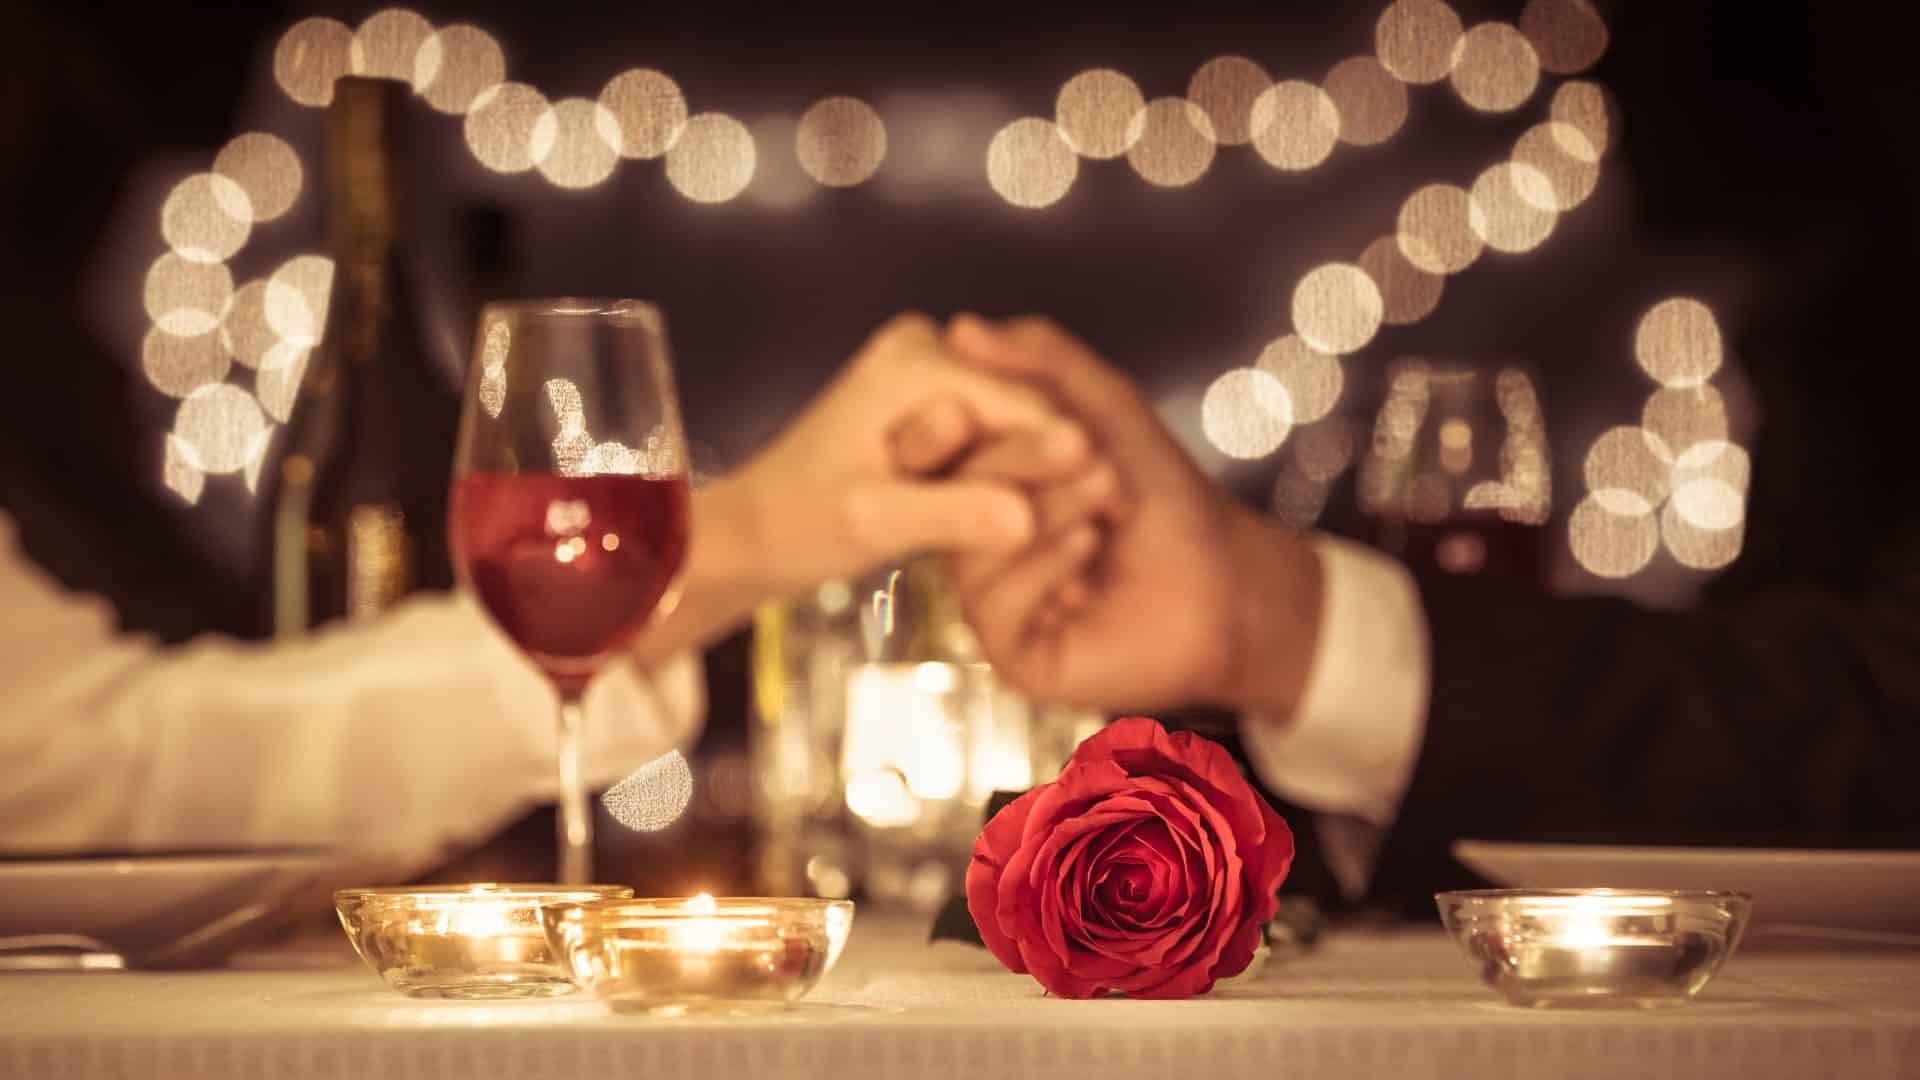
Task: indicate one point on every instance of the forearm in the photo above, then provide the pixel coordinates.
(1276, 619)
(413, 733)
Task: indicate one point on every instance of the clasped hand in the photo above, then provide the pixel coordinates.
(1097, 565)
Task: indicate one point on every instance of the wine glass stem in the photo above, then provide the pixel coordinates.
(575, 820)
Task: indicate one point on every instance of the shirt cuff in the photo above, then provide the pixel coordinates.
(1350, 747)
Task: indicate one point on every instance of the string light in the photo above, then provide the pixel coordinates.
(1100, 114)
(841, 141)
(1170, 142)
(1030, 163)
(1097, 113)
(1675, 477)
(713, 159)
(1225, 88)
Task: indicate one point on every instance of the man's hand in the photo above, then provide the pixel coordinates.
(1192, 598)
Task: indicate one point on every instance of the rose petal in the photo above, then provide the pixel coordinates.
(1050, 972)
(1144, 748)
(995, 845)
(1061, 800)
(1267, 870)
(1127, 732)
(1239, 949)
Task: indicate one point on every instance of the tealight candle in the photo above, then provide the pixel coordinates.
(1595, 946)
(668, 956)
(462, 941)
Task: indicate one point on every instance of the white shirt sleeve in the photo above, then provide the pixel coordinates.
(1349, 750)
(411, 735)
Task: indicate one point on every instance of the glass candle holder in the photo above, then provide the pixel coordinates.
(1595, 947)
(674, 957)
(462, 941)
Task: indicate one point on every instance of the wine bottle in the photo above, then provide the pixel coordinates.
(359, 511)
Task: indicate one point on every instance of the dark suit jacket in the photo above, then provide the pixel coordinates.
(1785, 707)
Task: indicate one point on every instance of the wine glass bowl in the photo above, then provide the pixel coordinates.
(1457, 477)
(570, 508)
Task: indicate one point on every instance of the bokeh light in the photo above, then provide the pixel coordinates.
(1699, 548)
(581, 140)
(1435, 229)
(455, 65)
(654, 796)
(1407, 293)
(1623, 502)
(222, 426)
(266, 169)
(1371, 103)
(1609, 544)
(1298, 499)
(1246, 413)
(1678, 342)
(180, 473)
(1337, 308)
(1714, 459)
(296, 299)
(1225, 88)
(1584, 108)
(1570, 176)
(1495, 69)
(1095, 112)
(1295, 125)
(186, 298)
(1624, 458)
(1682, 417)
(841, 141)
(278, 382)
(713, 159)
(177, 366)
(387, 44)
(1507, 207)
(650, 109)
(310, 56)
(1030, 164)
(1416, 40)
(1174, 142)
(1568, 35)
(206, 218)
(500, 127)
(1710, 504)
(1323, 451)
(1313, 378)
(248, 334)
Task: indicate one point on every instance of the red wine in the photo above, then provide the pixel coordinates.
(571, 567)
(1467, 544)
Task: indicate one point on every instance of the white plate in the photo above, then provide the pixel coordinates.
(165, 908)
(1858, 890)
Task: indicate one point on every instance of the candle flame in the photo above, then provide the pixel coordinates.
(702, 904)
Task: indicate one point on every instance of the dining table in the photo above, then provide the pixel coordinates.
(1395, 1002)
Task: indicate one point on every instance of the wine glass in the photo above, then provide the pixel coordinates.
(569, 515)
(1456, 477)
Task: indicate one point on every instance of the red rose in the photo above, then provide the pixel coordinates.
(1147, 868)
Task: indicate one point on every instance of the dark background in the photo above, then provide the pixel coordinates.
(1764, 157)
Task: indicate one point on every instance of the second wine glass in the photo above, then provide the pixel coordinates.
(569, 515)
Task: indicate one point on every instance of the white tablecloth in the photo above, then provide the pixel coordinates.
(1401, 1005)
